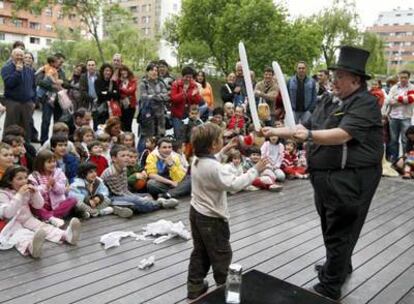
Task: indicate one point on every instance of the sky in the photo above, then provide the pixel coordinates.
(368, 10)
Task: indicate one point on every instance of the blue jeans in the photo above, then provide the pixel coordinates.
(47, 112)
(135, 202)
(178, 126)
(398, 127)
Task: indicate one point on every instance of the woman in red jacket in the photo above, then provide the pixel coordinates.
(127, 89)
(184, 92)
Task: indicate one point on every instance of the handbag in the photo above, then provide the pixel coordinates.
(263, 110)
(114, 108)
(64, 101)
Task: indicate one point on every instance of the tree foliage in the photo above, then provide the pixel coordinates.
(339, 27)
(210, 30)
(375, 45)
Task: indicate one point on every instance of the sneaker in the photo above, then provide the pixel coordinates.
(165, 195)
(37, 243)
(106, 211)
(84, 215)
(251, 188)
(192, 295)
(167, 203)
(323, 291)
(57, 222)
(122, 211)
(275, 188)
(73, 231)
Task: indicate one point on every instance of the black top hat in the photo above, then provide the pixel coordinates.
(352, 59)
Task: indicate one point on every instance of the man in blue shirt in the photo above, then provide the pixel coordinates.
(302, 92)
(19, 92)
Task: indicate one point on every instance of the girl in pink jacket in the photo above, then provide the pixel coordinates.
(52, 185)
(23, 230)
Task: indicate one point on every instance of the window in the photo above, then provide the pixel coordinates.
(133, 9)
(146, 19)
(34, 40)
(17, 23)
(1, 4)
(143, 8)
(60, 15)
(48, 12)
(34, 25)
(2, 36)
(72, 16)
(147, 31)
(2, 20)
(48, 41)
(148, 8)
(48, 27)
(135, 20)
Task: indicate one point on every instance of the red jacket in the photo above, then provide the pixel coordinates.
(236, 122)
(129, 91)
(100, 162)
(181, 100)
(2, 224)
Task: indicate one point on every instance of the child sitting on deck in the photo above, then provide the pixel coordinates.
(209, 213)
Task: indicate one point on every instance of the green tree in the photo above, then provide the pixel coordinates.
(375, 45)
(90, 12)
(209, 32)
(339, 27)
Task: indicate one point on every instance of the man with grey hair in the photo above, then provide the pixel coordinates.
(19, 92)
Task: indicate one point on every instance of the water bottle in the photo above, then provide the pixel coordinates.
(233, 284)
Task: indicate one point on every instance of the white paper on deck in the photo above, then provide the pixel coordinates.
(249, 86)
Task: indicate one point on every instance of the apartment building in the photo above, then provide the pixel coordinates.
(36, 31)
(396, 27)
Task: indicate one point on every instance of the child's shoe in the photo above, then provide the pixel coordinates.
(35, 247)
(192, 295)
(72, 233)
(167, 203)
(251, 188)
(275, 188)
(122, 211)
(55, 221)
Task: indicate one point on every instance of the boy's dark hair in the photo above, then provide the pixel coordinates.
(14, 130)
(254, 150)
(203, 137)
(10, 173)
(218, 111)
(151, 66)
(405, 72)
(187, 70)
(9, 139)
(164, 140)
(57, 139)
(194, 108)
(326, 72)
(234, 154)
(268, 69)
(41, 158)
(85, 168)
(81, 112)
(163, 62)
(116, 149)
(60, 56)
(51, 59)
(409, 131)
(132, 150)
(93, 144)
(18, 44)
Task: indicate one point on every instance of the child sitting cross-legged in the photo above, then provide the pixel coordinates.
(266, 180)
(290, 164)
(92, 194)
(209, 215)
(51, 182)
(23, 231)
(137, 177)
(116, 179)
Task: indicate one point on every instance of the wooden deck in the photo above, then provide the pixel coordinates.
(277, 233)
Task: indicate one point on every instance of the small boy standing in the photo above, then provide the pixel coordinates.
(209, 214)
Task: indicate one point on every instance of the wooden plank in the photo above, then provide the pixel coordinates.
(367, 291)
(408, 298)
(283, 210)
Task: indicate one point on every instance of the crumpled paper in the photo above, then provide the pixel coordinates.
(113, 239)
(163, 230)
(167, 230)
(146, 263)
